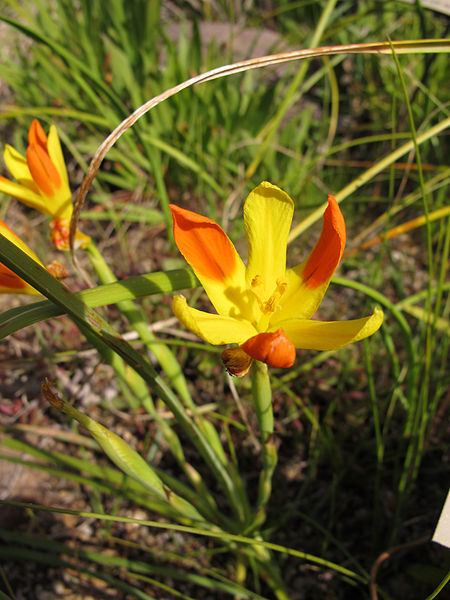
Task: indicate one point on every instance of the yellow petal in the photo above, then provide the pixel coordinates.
(330, 335)
(55, 153)
(15, 239)
(215, 329)
(61, 205)
(211, 254)
(308, 281)
(267, 218)
(24, 194)
(10, 283)
(18, 167)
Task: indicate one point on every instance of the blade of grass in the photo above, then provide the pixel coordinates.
(418, 416)
(31, 556)
(440, 213)
(126, 289)
(129, 568)
(370, 48)
(288, 97)
(82, 315)
(76, 65)
(196, 531)
(368, 175)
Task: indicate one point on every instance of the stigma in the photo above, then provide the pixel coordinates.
(266, 305)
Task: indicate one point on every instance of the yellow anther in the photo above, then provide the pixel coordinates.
(272, 303)
(281, 286)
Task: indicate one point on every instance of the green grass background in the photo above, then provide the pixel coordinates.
(362, 433)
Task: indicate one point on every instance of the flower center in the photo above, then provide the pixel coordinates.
(270, 305)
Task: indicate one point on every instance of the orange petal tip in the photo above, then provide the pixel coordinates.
(274, 349)
(327, 253)
(36, 135)
(203, 243)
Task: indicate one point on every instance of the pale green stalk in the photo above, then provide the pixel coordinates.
(37, 276)
(172, 369)
(163, 354)
(127, 289)
(127, 459)
(418, 415)
(262, 403)
(139, 321)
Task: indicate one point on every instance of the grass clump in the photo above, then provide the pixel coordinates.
(359, 433)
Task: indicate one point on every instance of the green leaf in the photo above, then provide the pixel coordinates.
(111, 293)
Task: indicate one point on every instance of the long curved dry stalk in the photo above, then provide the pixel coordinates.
(400, 47)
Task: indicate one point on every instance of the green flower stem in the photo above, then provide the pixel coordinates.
(172, 369)
(127, 459)
(270, 571)
(263, 561)
(138, 320)
(130, 381)
(131, 384)
(81, 314)
(262, 401)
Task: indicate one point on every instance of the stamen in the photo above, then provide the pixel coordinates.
(271, 305)
(257, 288)
(257, 281)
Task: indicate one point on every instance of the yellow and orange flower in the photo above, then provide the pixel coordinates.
(42, 182)
(10, 283)
(263, 307)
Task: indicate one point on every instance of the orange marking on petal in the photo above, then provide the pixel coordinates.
(328, 251)
(203, 243)
(42, 169)
(274, 349)
(9, 279)
(36, 135)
